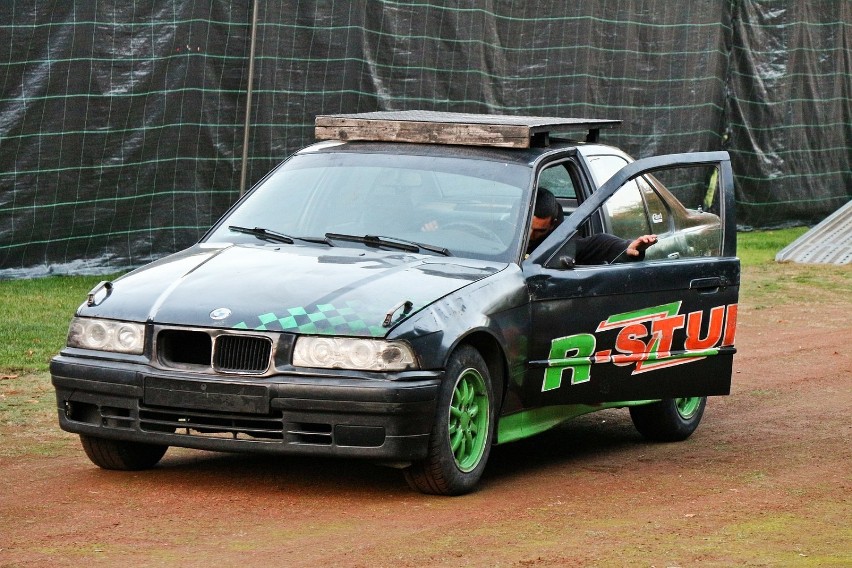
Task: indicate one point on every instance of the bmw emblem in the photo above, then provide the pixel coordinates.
(220, 313)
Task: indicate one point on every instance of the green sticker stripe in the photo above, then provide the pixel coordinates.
(322, 319)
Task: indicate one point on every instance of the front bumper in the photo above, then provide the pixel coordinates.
(323, 415)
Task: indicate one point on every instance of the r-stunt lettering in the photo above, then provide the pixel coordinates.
(645, 339)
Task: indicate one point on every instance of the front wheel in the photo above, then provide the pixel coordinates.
(121, 455)
(461, 436)
(670, 419)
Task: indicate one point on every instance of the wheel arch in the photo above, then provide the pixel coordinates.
(495, 359)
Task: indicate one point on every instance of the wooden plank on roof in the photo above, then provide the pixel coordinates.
(422, 132)
(427, 127)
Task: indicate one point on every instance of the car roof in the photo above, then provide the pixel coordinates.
(520, 156)
(523, 156)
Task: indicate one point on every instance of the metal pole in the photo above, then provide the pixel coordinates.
(249, 89)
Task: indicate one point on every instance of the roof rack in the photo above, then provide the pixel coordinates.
(429, 127)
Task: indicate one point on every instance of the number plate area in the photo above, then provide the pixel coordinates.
(206, 395)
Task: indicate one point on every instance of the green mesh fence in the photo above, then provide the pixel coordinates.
(121, 123)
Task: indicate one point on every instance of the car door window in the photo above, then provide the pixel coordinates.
(658, 212)
(647, 205)
(695, 228)
(625, 213)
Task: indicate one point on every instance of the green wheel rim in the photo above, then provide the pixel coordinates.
(687, 407)
(468, 423)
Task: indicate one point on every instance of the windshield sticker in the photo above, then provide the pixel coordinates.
(322, 319)
(644, 341)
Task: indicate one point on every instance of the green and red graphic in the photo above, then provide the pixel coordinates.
(645, 340)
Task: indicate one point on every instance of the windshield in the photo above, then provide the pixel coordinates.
(471, 208)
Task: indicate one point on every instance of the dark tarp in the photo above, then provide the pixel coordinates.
(121, 124)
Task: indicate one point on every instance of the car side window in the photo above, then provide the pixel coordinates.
(658, 212)
(624, 213)
(558, 180)
(646, 205)
(604, 166)
(695, 226)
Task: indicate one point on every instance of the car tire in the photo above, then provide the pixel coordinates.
(669, 420)
(460, 441)
(122, 455)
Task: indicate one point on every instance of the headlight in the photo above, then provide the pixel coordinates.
(352, 353)
(107, 335)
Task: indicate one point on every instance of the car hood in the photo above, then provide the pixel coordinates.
(301, 289)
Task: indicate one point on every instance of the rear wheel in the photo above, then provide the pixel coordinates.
(461, 436)
(669, 420)
(122, 455)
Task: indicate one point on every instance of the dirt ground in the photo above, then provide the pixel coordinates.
(765, 481)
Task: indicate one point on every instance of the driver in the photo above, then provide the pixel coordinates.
(601, 248)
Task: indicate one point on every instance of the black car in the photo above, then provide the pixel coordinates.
(374, 297)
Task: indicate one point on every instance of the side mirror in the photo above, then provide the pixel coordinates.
(567, 262)
(564, 258)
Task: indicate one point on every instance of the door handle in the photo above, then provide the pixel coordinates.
(707, 283)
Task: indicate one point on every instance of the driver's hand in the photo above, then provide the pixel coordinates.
(640, 244)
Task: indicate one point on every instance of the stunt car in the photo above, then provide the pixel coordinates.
(374, 296)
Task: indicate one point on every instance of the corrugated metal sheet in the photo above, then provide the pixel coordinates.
(830, 242)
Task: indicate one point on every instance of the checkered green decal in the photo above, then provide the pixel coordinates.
(323, 319)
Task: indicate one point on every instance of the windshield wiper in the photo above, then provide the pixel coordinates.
(275, 236)
(262, 233)
(390, 242)
(424, 246)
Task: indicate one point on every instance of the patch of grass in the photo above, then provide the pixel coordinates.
(760, 247)
(28, 417)
(773, 284)
(23, 398)
(788, 538)
(766, 283)
(35, 316)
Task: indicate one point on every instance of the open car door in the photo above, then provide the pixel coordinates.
(650, 329)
